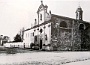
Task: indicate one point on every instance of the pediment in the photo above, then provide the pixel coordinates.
(41, 7)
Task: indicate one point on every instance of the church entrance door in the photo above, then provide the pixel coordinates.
(40, 44)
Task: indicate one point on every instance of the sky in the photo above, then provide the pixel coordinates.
(15, 14)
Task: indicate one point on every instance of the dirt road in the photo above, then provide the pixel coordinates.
(43, 58)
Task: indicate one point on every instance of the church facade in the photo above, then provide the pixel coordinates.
(58, 32)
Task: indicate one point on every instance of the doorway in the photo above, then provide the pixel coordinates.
(40, 44)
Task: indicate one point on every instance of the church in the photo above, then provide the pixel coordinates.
(58, 32)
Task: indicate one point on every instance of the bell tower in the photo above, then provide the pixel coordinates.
(79, 13)
(42, 13)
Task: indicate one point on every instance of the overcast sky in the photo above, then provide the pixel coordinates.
(15, 14)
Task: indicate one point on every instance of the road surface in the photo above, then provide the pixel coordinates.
(46, 58)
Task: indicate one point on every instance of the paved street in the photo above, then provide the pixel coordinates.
(45, 58)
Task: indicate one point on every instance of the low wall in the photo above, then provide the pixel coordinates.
(14, 44)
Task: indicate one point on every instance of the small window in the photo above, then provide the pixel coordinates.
(41, 17)
(35, 38)
(33, 33)
(41, 30)
(45, 37)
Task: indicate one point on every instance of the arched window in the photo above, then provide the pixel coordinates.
(33, 33)
(45, 37)
(35, 38)
(63, 24)
(81, 27)
(41, 30)
(41, 17)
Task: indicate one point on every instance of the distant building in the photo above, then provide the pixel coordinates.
(58, 32)
(4, 39)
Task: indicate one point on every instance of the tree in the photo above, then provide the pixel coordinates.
(17, 38)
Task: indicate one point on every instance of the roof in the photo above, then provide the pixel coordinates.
(53, 15)
(51, 20)
(79, 9)
(38, 25)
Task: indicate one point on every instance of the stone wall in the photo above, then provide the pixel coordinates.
(85, 36)
(69, 34)
(76, 41)
(61, 34)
